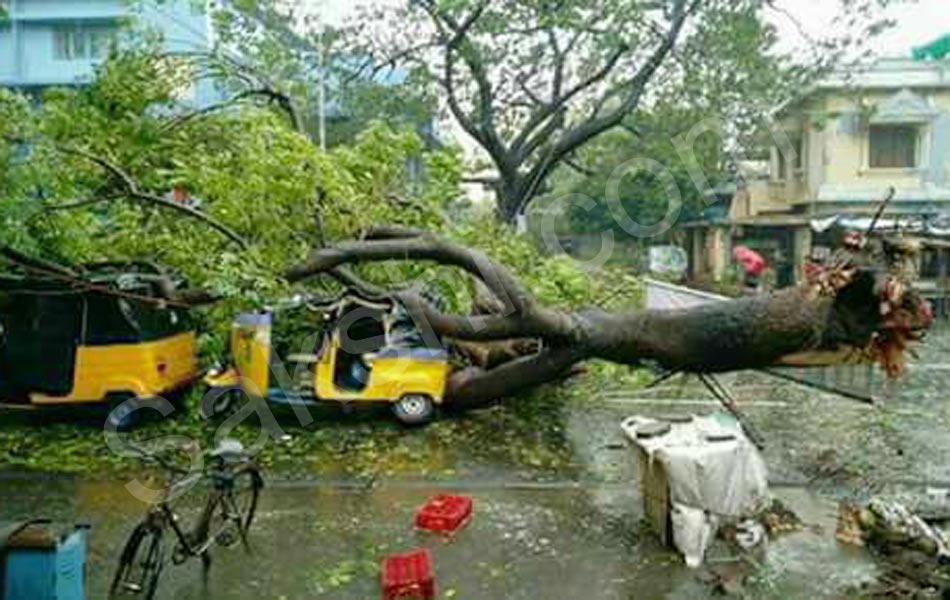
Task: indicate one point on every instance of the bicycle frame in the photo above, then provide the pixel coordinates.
(199, 539)
(230, 466)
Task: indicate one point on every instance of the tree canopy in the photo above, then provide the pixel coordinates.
(534, 81)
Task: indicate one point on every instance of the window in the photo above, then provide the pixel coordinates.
(797, 160)
(933, 263)
(893, 147)
(78, 42)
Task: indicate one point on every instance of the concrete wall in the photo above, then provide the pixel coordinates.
(7, 68)
(27, 42)
(38, 65)
(835, 170)
(847, 143)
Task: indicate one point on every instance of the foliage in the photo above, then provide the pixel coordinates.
(249, 170)
(555, 280)
(702, 118)
(245, 168)
(289, 50)
(534, 82)
(642, 194)
(530, 434)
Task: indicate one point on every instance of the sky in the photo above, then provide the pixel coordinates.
(918, 24)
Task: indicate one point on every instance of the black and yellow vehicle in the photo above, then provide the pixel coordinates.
(367, 352)
(105, 341)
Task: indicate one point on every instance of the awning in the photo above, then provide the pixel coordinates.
(935, 226)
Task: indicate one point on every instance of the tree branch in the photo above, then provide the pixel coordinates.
(282, 100)
(481, 128)
(583, 133)
(133, 192)
(524, 145)
(424, 247)
(579, 167)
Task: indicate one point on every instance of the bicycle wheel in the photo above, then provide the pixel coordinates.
(247, 487)
(233, 513)
(140, 565)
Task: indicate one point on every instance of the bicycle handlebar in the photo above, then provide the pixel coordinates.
(149, 458)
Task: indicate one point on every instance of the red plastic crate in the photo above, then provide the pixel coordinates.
(408, 575)
(444, 513)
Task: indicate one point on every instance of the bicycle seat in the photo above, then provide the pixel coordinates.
(230, 450)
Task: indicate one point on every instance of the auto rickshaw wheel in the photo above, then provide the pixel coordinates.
(122, 411)
(414, 409)
(219, 402)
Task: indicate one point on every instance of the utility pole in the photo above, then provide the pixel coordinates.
(322, 93)
(322, 82)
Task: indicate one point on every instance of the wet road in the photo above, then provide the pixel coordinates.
(546, 542)
(574, 537)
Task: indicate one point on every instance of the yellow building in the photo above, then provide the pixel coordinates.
(838, 149)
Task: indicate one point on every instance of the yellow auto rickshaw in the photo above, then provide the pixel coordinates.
(105, 342)
(365, 352)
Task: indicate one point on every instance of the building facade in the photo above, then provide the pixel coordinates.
(46, 43)
(845, 143)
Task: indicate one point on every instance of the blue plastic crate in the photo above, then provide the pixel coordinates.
(43, 564)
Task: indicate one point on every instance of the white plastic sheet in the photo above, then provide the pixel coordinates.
(710, 480)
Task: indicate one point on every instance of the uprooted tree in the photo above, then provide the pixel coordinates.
(101, 166)
(859, 306)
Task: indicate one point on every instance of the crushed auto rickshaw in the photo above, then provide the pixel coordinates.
(106, 339)
(364, 351)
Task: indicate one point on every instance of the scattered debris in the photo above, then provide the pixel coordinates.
(750, 534)
(891, 524)
(849, 530)
(746, 545)
(915, 554)
(779, 519)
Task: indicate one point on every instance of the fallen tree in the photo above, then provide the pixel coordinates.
(858, 307)
(267, 193)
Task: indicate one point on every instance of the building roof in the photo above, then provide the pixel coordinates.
(883, 74)
(891, 73)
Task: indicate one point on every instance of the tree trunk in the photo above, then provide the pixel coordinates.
(508, 201)
(860, 306)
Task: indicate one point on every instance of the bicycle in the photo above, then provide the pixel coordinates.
(226, 518)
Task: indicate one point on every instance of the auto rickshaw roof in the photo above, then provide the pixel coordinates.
(22, 274)
(96, 284)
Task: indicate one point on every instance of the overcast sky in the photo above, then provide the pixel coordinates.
(918, 24)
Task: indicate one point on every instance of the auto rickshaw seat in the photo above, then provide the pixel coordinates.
(355, 372)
